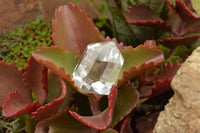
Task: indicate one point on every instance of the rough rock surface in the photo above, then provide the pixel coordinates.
(182, 113)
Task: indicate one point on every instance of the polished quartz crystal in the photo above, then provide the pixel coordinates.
(98, 68)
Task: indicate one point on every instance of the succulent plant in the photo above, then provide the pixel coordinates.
(45, 91)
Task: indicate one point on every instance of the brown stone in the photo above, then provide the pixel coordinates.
(182, 113)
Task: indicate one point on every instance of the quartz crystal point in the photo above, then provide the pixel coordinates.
(98, 68)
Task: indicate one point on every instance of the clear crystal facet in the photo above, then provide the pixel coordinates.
(98, 68)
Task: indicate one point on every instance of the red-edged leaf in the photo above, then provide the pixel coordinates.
(109, 130)
(192, 27)
(185, 13)
(171, 3)
(164, 79)
(11, 78)
(127, 100)
(62, 122)
(150, 43)
(102, 120)
(59, 60)
(126, 126)
(119, 45)
(161, 86)
(175, 41)
(35, 78)
(49, 109)
(73, 29)
(141, 15)
(146, 124)
(169, 70)
(16, 105)
(138, 60)
(53, 90)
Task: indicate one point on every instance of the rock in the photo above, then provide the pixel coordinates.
(182, 113)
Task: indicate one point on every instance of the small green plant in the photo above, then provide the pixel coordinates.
(18, 45)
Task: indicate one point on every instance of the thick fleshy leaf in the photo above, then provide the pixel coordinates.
(11, 78)
(73, 29)
(62, 122)
(185, 13)
(196, 5)
(126, 126)
(175, 41)
(35, 78)
(49, 109)
(121, 29)
(138, 60)
(141, 15)
(150, 43)
(146, 124)
(102, 120)
(128, 97)
(164, 79)
(119, 45)
(109, 130)
(192, 27)
(53, 90)
(16, 105)
(59, 60)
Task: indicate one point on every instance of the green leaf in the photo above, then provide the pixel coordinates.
(59, 60)
(62, 122)
(137, 60)
(196, 5)
(30, 125)
(179, 50)
(127, 99)
(122, 30)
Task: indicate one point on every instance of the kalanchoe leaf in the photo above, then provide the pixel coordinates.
(73, 29)
(128, 97)
(59, 60)
(109, 130)
(126, 126)
(196, 5)
(141, 15)
(49, 109)
(150, 43)
(35, 78)
(192, 27)
(171, 3)
(122, 30)
(119, 45)
(169, 70)
(102, 120)
(175, 41)
(16, 105)
(146, 124)
(137, 60)
(62, 122)
(185, 13)
(164, 79)
(11, 78)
